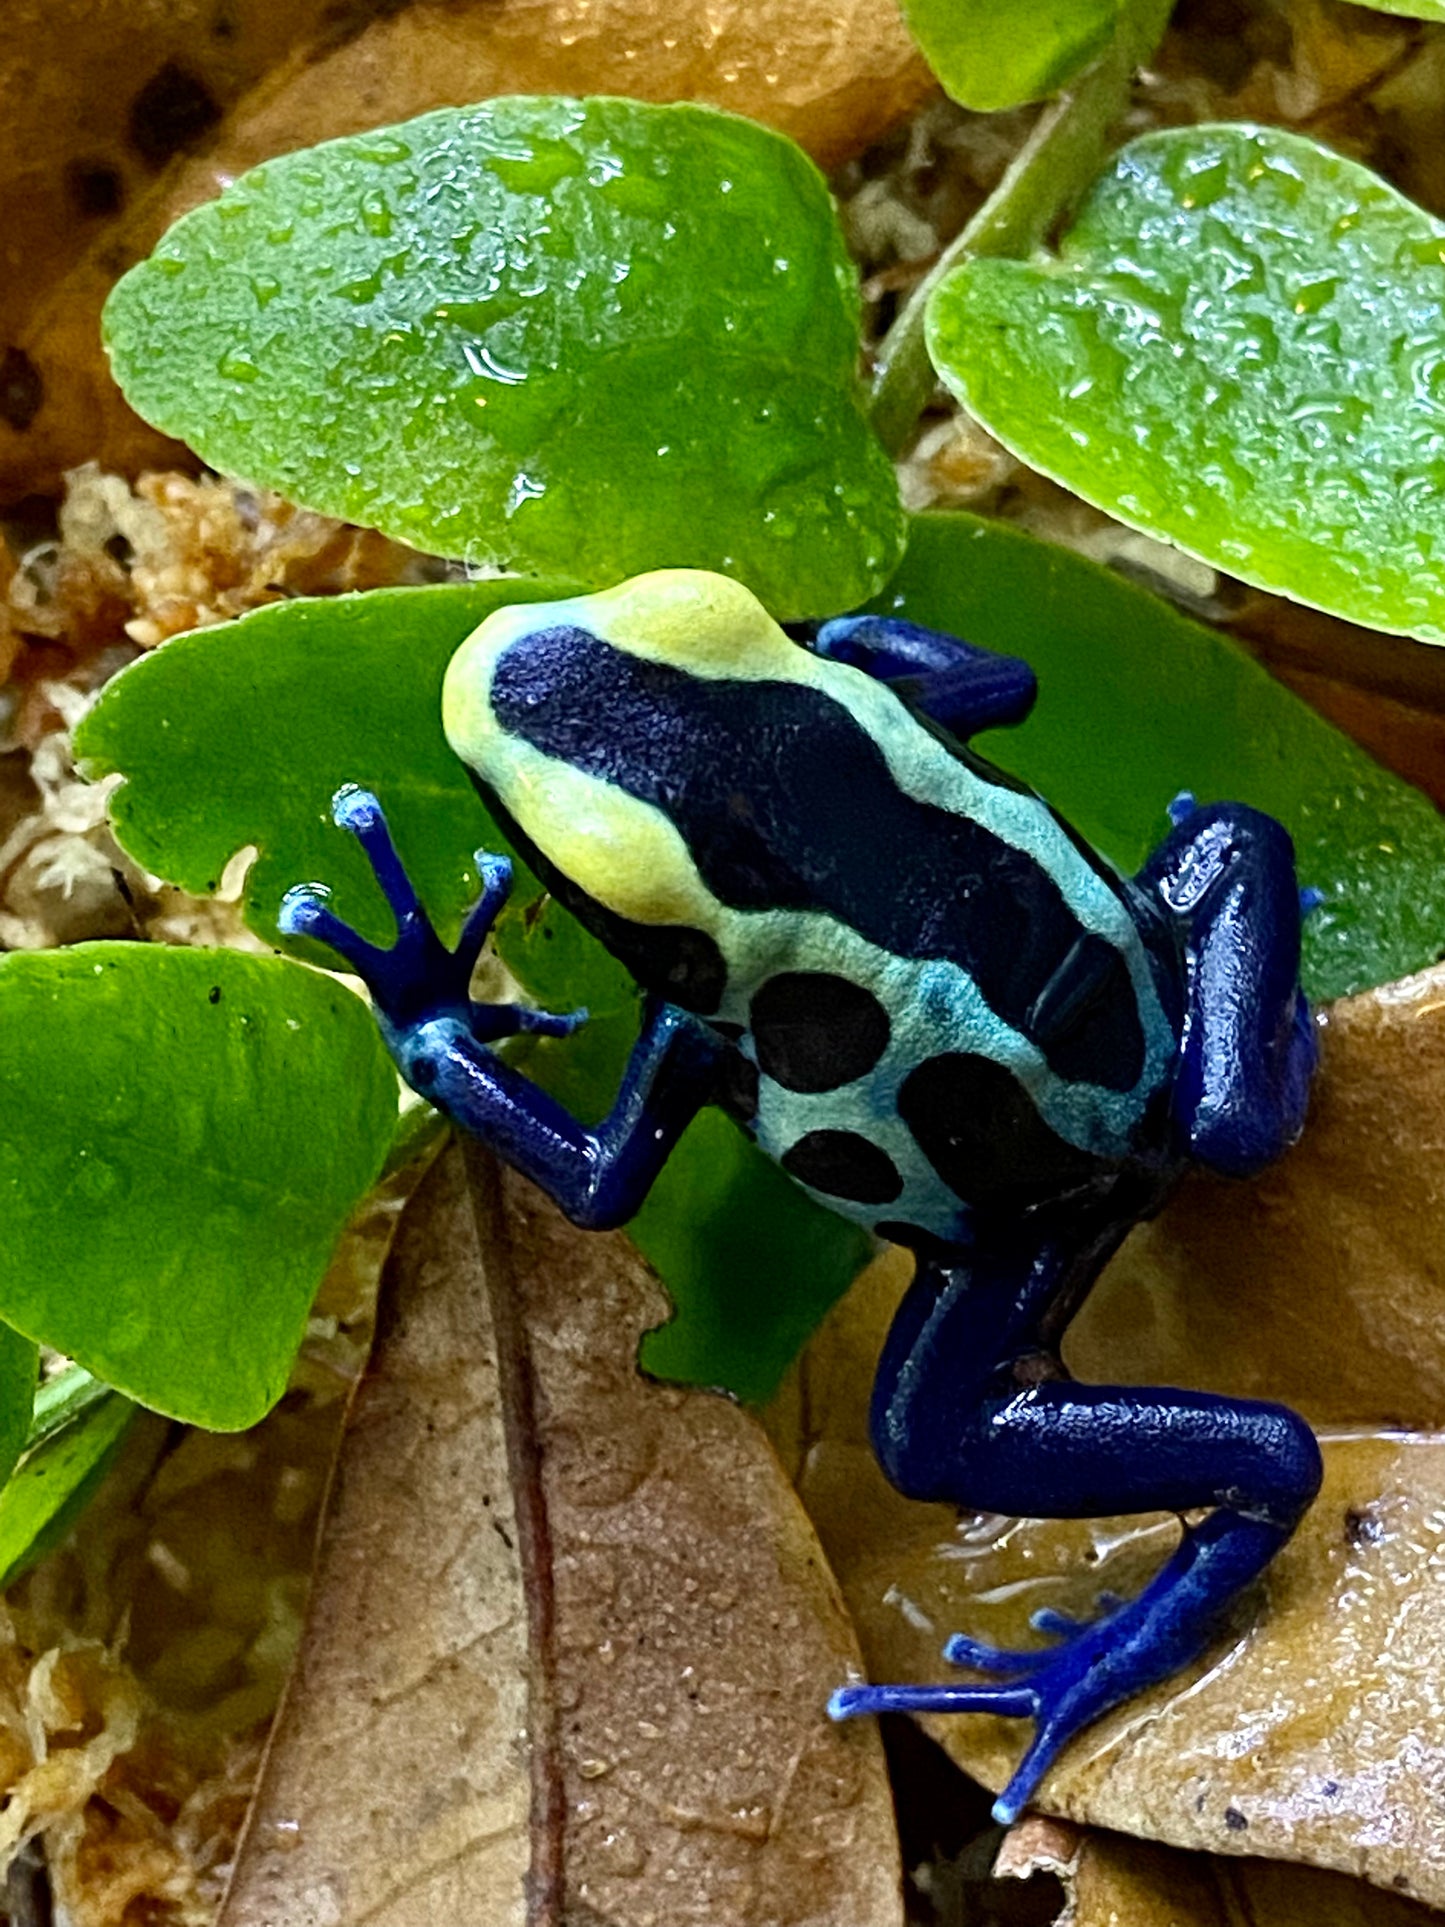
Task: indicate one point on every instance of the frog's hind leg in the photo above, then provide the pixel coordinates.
(958, 684)
(972, 1408)
(1226, 874)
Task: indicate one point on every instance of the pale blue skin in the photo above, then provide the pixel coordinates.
(971, 1404)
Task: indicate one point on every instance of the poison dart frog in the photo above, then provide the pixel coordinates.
(933, 1004)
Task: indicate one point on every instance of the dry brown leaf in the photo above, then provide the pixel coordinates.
(832, 73)
(528, 1538)
(1321, 1282)
(1113, 1882)
(1315, 1733)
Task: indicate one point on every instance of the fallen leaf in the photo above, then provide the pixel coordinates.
(571, 1634)
(1322, 1282)
(832, 73)
(1109, 1881)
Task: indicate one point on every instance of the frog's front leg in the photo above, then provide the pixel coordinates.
(972, 1407)
(957, 683)
(1226, 874)
(439, 1036)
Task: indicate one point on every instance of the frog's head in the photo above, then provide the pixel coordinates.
(523, 708)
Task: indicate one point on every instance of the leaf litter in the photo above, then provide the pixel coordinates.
(570, 1633)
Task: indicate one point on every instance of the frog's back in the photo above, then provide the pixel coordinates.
(940, 997)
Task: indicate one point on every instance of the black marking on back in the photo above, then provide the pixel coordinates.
(843, 1165)
(736, 1087)
(785, 802)
(982, 1133)
(815, 1031)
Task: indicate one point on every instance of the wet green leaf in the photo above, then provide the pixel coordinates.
(240, 735)
(56, 1480)
(594, 337)
(1241, 348)
(751, 1261)
(1137, 703)
(991, 54)
(182, 1135)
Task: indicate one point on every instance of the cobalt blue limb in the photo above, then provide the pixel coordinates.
(972, 1406)
(599, 1177)
(958, 684)
(1226, 875)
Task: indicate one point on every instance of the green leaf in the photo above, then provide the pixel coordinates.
(241, 735)
(56, 1481)
(182, 1135)
(990, 54)
(752, 1263)
(1137, 703)
(584, 336)
(1411, 9)
(19, 1369)
(1241, 348)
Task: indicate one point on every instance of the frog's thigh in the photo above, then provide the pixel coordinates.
(1227, 872)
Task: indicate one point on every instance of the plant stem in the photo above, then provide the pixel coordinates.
(1045, 179)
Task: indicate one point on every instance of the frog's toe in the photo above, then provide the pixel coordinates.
(305, 913)
(862, 1700)
(960, 1650)
(1057, 1625)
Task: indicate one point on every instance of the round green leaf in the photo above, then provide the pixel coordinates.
(990, 54)
(1240, 348)
(56, 1481)
(584, 336)
(241, 734)
(1136, 703)
(182, 1135)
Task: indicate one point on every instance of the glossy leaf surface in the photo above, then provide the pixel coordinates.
(183, 1135)
(1137, 703)
(990, 56)
(239, 735)
(55, 1481)
(597, 337)
(1241, 348)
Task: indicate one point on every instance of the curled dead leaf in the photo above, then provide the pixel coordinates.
(1109, 1881)
(571, 1634)
(1310, 1732)
(832, 73)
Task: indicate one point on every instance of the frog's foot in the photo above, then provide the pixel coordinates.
(417, 979)
(1096, 1666)
(1061, 1688)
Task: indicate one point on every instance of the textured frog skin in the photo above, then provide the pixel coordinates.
(932, 1004)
